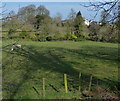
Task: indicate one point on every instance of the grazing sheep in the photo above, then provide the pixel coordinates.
(15, 46)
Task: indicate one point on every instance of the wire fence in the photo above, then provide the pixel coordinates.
(67, 84)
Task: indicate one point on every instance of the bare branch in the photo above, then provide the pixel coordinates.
(107, 6)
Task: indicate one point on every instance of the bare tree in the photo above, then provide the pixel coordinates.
(110, 7)
(72, 14)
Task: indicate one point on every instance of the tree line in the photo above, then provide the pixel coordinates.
(34, 23)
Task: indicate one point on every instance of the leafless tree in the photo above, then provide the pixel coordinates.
(2, 12)
(110, 7)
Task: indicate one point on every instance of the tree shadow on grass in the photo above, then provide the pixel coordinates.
(39, 61)
(49, 61)
(95, 52)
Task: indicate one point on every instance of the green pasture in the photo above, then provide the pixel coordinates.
(24, 69)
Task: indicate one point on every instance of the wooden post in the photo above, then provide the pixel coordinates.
(65, 83)
(90, 83)
(80, 81)
(12, 61)
(44, 87)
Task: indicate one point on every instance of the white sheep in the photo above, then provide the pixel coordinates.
(15, 46)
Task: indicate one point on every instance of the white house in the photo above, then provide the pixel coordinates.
(87, 22)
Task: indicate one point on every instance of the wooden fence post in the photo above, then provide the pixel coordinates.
(44, 87)
(80, 81)
(90, 83)
(65, 83)
(12, 60)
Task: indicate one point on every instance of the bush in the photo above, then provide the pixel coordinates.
(33, 37)
(80, 39)
(108, 34)
(37, 34)
(61, 38)
(10, 33)
(67, 36)
(49, 38)
(42, 39)
(23, 35)
(70, 37)
(73, 37)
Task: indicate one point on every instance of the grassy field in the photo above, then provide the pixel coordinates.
(24, 69)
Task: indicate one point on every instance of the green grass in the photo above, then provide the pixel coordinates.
(24, 69)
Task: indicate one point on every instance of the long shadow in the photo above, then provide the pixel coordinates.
(49, 61)
(40, 61)
(99, 53)
(96, 52)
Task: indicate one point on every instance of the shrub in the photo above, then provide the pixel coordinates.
(80, 39)
(23, 35)
(49, 38)
(37, 33)
(10, 33)
(61, 39)
(33, 37)
(73, 37)
(108, 34)
(67, 36)
(42, 39)
(70, 37)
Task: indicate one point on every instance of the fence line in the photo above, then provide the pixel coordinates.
(65, 84)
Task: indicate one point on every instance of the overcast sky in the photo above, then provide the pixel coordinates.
(54, 7)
